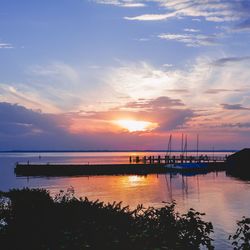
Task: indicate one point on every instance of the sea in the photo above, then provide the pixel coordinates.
(224, 199)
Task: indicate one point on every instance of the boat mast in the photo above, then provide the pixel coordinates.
(197, 144)
(185, 147)
(182, 141)
(169, 145)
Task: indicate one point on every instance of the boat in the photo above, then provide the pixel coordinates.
(188, 165)
(185, 165)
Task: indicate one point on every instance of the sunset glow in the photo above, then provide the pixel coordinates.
(134, 126)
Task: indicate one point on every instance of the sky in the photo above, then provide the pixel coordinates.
(124, 74)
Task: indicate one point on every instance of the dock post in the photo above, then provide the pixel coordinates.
(130, 159)
(159, 159)
(137, 160)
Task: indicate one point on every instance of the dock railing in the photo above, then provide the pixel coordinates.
(175, 159)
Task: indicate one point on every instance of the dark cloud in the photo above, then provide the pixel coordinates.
(22, 128)
(236, 106)
(166, 112)
(17, 119)
(170, 119)
(158, 103)
(218, 91)
(226, 60)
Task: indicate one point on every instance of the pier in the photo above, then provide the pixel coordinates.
(139, 165)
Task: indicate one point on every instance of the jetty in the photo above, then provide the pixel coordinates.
(139, 165)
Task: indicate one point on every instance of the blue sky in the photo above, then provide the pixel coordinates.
(81, 65)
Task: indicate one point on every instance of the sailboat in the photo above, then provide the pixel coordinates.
(187, 163)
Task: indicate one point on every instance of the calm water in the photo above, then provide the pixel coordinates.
(224, 199)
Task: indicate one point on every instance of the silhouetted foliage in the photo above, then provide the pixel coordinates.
(241, 238)
(32, 219)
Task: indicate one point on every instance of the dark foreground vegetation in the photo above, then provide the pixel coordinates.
(32, 219)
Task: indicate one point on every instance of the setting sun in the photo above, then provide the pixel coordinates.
(134, 126)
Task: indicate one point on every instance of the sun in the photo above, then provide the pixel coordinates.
(134, 125)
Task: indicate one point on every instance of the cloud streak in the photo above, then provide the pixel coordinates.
(151, 17)
(234, 106)
(123, 3)
(191, 40)
(212, 11)
(228, 60)
(6, 46)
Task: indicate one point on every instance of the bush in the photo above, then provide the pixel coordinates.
(241, 238)
(32, 219)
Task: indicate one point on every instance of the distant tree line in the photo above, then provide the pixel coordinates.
(32, 219)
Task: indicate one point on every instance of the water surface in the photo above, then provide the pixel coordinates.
(224, 199)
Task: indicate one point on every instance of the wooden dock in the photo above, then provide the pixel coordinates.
(138, 166)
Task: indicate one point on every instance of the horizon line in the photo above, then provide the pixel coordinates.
(112, 150)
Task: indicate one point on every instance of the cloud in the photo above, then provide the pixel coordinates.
(133, 5)
(219, 91)
(227, 60)
(20, 94)
(167, 65)
(191, 40)
(16, 119)
(205, 76)
(234, 106)
(155, 111)
(201, 84)
(192, 30)
(6, 46)
(22, 128)
(151, 17)
(177, 100)
(59, 87)
(123, 3)
(236, 125)
(234, 15)
(161, 102)
(213, 11)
